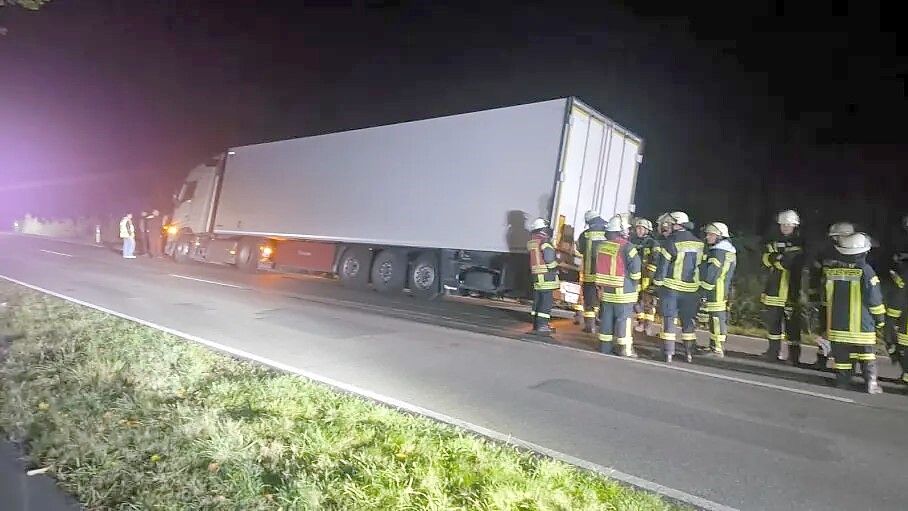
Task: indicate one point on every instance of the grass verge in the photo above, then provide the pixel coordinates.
(128, 417)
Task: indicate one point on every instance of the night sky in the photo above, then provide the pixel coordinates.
(745, 107)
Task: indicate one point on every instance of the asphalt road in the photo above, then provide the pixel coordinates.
(746, 441)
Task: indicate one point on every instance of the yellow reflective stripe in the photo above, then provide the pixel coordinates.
(783, 285)
(715, 306)
(714, 261)
(708, 287)
(766, 262)
(632, 252)
(878, 309)
(830, 289)
(651, 268)
(606, 337)
(854, 313)
(665, 336)
(863, 357)
(544, 315)
(688, 337)
(843, 366)
(620, 297)
(852, 337)
(772, 301)
(589, 314)
(682, 286)
(635, 276)
(610, 280)
(775, 337)
(893, 313)
(903, 339)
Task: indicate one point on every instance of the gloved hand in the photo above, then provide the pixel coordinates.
(789, 311)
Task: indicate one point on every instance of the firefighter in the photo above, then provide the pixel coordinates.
(618, 276)
(855, 310)
(587, 244)
(678, 278)
(783, 258)
(716, 274)
(645, 311)
(815, 285)
(544, 270)
(897, 320)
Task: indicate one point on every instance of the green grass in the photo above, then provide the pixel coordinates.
(131, 418)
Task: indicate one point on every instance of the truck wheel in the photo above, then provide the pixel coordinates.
(389, 271)
(247, 255)
(424, 277)
(181, 250)
(353, 267)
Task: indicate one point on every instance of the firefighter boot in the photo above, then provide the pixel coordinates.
(589, 325)
(794, 354)
(822, 361)
(689, 350)
(772, 354)
(870, 376)
(843, 378)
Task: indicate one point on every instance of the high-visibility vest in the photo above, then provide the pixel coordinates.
(610, 265)
(854, 303)
(545, 274)
(127, 230)
(589, 241)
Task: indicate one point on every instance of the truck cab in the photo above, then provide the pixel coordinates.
(194, 202)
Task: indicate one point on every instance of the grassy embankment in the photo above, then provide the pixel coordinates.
(127, 417)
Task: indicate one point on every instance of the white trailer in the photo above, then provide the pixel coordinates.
(427, 205)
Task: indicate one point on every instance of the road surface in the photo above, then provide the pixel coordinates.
(745, 441)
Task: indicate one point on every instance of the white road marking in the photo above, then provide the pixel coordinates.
(677, 367)
(612, 473)
(55, 253)
(207, 281)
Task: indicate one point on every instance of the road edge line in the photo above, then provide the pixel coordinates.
(628, 479)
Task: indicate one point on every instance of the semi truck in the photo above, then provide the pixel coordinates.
(432, 206)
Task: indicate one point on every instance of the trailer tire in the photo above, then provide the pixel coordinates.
(389, 271)
(353, 267)
(425, 281)
(181, 250)
(247, 255)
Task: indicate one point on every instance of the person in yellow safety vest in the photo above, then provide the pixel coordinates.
(783, 258)
(618, 276)
(678, 277)
(897, 320)
(815, 287)
(855, 310)
(587, 244)
(716, 274)
(544, 270)
(645, 309)
(128, 234)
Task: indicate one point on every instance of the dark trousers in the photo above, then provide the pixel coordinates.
(615, 325)
(155, 246)
(542, 307)
(781, 326)
(675, 304)
(590, 300)
(847, 354)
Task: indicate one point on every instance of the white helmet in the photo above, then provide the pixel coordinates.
(853, 244)
(590, 215)
(538, 224)
(789, 217)
(717, 228)
(841, 229)
(617, 224)
(664, 218)
(642, 222)
(678, 217)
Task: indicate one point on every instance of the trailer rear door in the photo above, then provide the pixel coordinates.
(598, 169)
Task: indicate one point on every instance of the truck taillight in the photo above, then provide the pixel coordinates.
(267, 251)
(172, 229)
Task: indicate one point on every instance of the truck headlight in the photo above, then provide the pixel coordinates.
(172, 229)
(267, 251)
